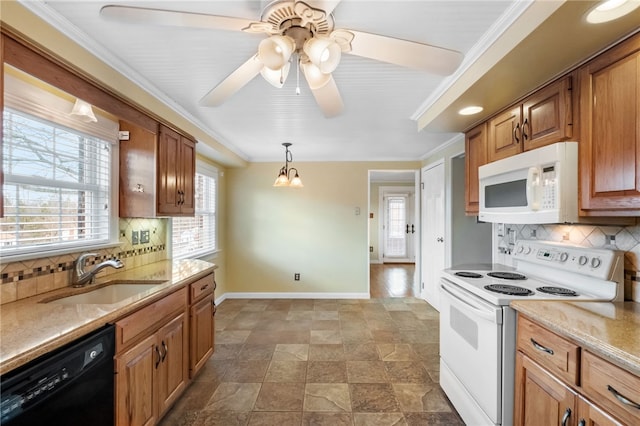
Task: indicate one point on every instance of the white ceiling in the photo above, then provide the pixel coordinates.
(180, 65)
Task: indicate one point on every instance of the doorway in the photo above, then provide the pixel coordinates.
(402, 209)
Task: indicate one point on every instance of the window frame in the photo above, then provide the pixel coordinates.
(213, 172)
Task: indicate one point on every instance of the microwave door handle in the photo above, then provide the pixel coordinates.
(533, 184)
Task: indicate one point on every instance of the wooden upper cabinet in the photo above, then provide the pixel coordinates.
(610, 143)
(157, 173)
(543, 118)
(176, 174)
(505, 134)
(548, 115)
(475, 148)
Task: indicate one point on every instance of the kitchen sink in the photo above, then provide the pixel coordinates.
(108, 294)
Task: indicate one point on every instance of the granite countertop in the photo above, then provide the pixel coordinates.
(609, 330)
(30, 328)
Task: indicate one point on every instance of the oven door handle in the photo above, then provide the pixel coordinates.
(479, 310)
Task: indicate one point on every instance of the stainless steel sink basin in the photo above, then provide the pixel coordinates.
(108, 294)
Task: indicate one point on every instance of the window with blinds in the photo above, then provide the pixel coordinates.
(56, 188)
(196, 236)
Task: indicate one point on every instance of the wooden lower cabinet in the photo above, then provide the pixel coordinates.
(557, 382)
(152, 362)
(173, 372)
(541, 399)
(135, 378)
(202, 333)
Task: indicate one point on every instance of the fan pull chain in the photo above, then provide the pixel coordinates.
(298, 76)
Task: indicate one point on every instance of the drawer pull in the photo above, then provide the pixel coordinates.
(582, 422)
(166, 349)
(158, 357)
(539, 347)
(566, 416)
(622, 398)
(204, 287)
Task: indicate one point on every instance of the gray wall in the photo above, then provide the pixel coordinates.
(471, 240)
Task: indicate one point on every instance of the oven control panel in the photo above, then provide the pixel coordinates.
(595, 262)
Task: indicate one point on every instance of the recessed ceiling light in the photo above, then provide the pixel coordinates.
(470, 110)
(609, 10)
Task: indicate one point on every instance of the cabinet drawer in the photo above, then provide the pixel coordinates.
(557, 354)
(612, 387)
(202, 287)
(129, 329)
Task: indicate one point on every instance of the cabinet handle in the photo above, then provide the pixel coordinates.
(539, 347)
(158, 357)
(214, 308)
(215, 284)
(515, 133)
(204, 287)
(166, 349)
(525, 129)
(582, 422)
(566, 416)
(622, 398)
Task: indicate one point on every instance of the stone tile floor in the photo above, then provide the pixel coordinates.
(319, 362)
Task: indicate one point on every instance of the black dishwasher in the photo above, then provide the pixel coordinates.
(70, 386)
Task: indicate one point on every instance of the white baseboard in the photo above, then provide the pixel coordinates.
(375, 261)
(234, 295)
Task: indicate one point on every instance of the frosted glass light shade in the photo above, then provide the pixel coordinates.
(324, 53)
(282, 179)
(275, 51)
(296, 182)
(84, 111)
(314, 76)
(276, 77)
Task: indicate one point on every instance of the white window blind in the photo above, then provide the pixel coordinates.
(196, 236)
(56, 189)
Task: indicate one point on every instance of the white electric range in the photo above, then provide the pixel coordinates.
(478, 328)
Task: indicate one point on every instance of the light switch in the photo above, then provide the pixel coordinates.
(357, 211)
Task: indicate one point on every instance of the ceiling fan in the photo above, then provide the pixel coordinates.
(305, 29)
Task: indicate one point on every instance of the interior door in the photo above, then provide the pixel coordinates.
(433, 230)
(399, 227)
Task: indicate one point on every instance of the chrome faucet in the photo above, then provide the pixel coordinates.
(82, 277)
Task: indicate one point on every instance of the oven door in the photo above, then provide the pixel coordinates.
(471, 350)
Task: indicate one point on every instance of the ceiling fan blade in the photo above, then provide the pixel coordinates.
(234, 82)
(328, 98)
(173, 18)
(411, 54)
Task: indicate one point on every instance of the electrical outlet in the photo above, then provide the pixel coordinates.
(144, 236)
(134, 238)
(296, 277)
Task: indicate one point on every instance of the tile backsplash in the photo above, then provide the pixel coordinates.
(624, 238)
(31, 277)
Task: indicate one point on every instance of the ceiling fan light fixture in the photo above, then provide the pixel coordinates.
(610, 10)
(276, 77)
(324, 53)
(275, 51)
(316, 78)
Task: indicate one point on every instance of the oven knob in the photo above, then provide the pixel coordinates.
(520, 249)
(527, 250)
(582, 260)
(596, 262)
(564, 256)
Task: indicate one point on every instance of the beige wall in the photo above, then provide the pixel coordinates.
(273, 233)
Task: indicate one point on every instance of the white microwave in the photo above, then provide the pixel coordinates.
(533, 187)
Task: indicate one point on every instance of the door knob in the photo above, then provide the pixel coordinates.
(440, 239)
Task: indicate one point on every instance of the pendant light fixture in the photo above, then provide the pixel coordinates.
(284, 178)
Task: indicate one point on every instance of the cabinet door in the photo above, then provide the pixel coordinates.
(135, 382)
(475, 148)
(590, 415)
(187, 176)
(547, 115)
(173, 370)
(610, 129)
(169, 171)
(137, 172)
(505, 134)
(202, 323)
(541, 399)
